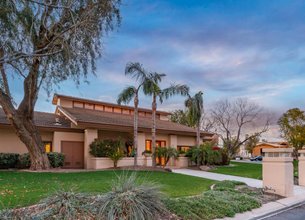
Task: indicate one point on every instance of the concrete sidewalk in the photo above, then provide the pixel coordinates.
(259, 213)
(220, 177)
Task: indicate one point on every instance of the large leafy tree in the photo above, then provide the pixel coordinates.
(137, 72)
(151, 87)
(44, 42)
(251, 143)
(292, 127)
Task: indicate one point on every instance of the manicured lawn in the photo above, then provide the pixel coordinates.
(19, 189)
(250, 170)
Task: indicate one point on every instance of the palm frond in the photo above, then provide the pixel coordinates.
(136, 71)
(194, 108)
(126, 95)
(174, 90)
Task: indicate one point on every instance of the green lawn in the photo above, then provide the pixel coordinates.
(251, 170)
(19, 189)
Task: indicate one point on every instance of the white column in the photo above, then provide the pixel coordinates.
(89, 136)
(278, 171)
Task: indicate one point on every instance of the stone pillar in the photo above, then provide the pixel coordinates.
(278, 171)
(89, 136)
(141, 148)
(302, 167)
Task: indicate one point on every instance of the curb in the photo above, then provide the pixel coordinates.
(279, 211)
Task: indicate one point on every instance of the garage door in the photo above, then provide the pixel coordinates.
(74, 154)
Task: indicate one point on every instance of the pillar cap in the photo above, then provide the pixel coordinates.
(278, 150)
(301, 151)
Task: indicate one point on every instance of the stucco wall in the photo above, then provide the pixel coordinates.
(10, 143)
(257, 150)
(186, 141)
(65, 136)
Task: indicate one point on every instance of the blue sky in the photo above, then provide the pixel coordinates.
(227, 49)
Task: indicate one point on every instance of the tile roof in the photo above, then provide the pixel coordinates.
(42, 119)
(81, 115)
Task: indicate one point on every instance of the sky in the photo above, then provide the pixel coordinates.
(227, 49)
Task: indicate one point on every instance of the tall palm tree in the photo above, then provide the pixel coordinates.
(137, 72)
(151, 87)
(195, 112)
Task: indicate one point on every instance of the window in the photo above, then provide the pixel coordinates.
(148, 144)
(183, 148)
(47, 146)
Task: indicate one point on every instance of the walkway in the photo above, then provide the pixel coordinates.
(220, 177)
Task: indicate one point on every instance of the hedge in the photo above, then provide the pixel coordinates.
(8, 160)
(23, 161)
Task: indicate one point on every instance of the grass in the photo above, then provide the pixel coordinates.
(223, 201)
(250, 170)
(18, 189)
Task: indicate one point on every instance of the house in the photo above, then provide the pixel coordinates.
(258, 149)
(77, 122)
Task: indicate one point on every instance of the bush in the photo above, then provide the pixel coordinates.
(205, 154)
(166, 153)
(102, 148)
(130, 199)
(222, 202)
(8, 160)
(55, 159)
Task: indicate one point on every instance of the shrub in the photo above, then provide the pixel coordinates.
(166, 153)
(102, 148)
(62, 205)
(24, 161)
(130, 199)
(8, 160)
(55, 159)
(206, 154)
(219, 203)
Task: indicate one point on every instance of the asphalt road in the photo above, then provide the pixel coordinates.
(297, 213)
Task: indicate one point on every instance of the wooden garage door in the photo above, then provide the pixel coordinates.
(74, 154)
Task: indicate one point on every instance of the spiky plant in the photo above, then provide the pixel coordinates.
(131, 199)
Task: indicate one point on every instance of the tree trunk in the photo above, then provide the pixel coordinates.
(28, 133)
(135, 129)
(22, 119)
(153, 131)
(198, 141)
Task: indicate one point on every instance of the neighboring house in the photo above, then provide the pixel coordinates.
(258, 149)
(243, 152)
(77, 122)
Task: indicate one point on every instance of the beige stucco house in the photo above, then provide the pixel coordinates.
(77, 122)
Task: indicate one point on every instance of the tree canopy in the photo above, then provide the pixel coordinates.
(292, 127)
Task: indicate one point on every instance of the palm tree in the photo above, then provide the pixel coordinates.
(195, 111)
(136, 71)
(151, 87)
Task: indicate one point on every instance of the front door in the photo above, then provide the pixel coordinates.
(74, 154)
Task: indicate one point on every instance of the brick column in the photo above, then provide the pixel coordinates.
(89, 136)
(278, 171)
(141, 148)
(302, 167)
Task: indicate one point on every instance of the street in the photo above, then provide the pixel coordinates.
(297, 213)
